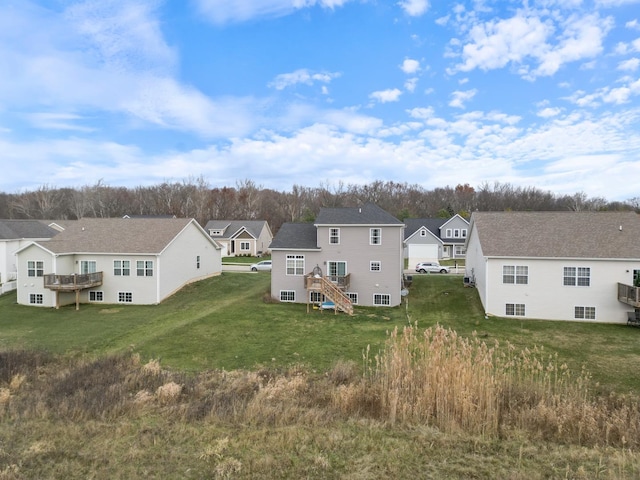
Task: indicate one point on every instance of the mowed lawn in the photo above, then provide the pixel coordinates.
(228, 322)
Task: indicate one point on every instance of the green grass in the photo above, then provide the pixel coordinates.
(224, 322)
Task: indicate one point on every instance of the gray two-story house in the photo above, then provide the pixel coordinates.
(431, 239)
(348, 256)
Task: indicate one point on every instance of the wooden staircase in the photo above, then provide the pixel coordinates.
(331, 292)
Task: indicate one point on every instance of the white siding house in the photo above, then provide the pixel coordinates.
(116, 260)
(555, 265)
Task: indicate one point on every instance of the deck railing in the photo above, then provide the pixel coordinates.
(629, 294)
(341, 281)
(75, 281)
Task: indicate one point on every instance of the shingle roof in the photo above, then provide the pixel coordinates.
(254, 227)
(117, 235)
(19, 229)
(295, 236)
(368, 214)
(415, 224)
(558, 234)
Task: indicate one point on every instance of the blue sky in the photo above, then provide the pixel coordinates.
(307, 92)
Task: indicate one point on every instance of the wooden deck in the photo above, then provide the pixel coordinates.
(73, 282)
(629, 295)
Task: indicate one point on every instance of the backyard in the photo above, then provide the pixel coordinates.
(219, 381)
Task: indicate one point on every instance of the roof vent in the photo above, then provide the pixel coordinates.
(620, 227)
(360, 210)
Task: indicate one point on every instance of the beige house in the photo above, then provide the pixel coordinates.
(115, 260)
(241, 237)
(578, 266)
(348, 256)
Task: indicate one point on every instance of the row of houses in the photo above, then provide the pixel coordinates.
(582, 266)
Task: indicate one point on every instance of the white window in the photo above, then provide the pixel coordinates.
(35, 268)
(456, 233)
(587, 313)
(144, 268)
(295, 264)
(36, 298)
(353, 296)
(448, 233)
(316, 297)
(245, 246)
(375, 236)
(375, 266)
(381, 299)
(423, 233)
(577, 276)
(287, 295)
(515, 274)
(121, 268)
(334, 236)
(464, 232)
(125, 297)
(215, 232)
(515, 309)
(460, 250)
(96, 296)
(87, 266)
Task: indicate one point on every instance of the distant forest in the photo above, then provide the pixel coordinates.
(195, 198)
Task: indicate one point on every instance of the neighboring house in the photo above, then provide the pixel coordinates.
(432, 239)
(349, 256)
(556, 265)
(14, 234)
(115, 260)
(240, 237)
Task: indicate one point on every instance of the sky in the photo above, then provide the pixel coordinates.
(539, 93)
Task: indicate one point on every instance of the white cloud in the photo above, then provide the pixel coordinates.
(414, 8)
(549, 112)
(459, 98)
(632, 24)
(226, 11)
(530, 37)
(630, 65)
(303, 76)
(410, 66)
(384, 96)
(410, 84)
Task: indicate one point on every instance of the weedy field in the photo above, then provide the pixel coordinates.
(221, 382)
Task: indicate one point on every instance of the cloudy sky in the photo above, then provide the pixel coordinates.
(541, 93)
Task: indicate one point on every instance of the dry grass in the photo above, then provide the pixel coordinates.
(426, 398)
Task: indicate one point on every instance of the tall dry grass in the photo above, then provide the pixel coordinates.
(458, 384)
(432, 377)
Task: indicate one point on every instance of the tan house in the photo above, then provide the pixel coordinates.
(115, 260)
(348, 256)
(578, 266)
(241, 237)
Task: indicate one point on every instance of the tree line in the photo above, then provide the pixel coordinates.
(196, 198)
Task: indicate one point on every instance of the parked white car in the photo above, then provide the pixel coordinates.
(263, 265)
(431, 267)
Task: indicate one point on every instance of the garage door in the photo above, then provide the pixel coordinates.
(422, 253)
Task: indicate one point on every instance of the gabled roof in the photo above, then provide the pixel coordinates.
(558, 234)
(23, 229)
(431, 224)
(231, 227)
(296, 236)
(368, 214)
(119, 235)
